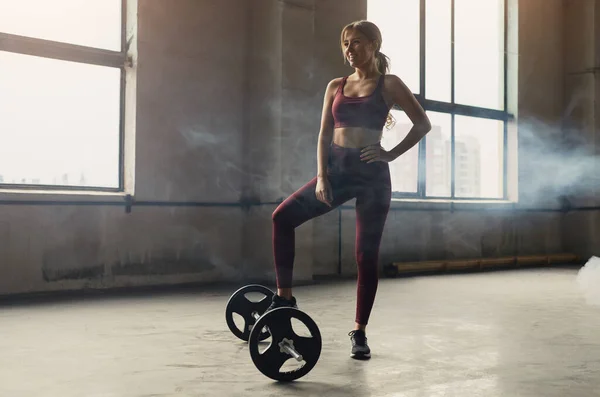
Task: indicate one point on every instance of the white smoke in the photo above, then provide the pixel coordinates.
(555, 161)
(588, 280)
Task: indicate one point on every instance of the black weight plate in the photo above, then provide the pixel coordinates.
(272, 359)
(238, 303)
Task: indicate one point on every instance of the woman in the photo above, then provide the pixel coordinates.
(351, 164)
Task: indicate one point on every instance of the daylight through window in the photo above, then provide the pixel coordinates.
(451, 54)
(61, 90)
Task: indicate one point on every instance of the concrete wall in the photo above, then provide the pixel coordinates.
(191, 78)
(228, 100)
(582, 114)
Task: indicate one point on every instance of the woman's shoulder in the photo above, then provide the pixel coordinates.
(393, 82)
(391, 78)
(334, 84)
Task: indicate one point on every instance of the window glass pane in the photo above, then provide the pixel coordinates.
(94, 23)
(439, 155)
(403, 170)
(438, 50)
(399, 23)
(479, 57)
(59, 122)
(479, 157)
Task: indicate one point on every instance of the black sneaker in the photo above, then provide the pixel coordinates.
(279, 301)
(360, 348)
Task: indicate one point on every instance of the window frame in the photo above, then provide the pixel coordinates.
(454, 109)
(83, 54)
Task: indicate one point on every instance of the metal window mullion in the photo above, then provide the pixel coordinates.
(61, 51)
(423, 47)
(464, 110)
(505, 140)
(452, 101)
(452, 156)
(124, 26)
(452, 55)
(122, 92)
(422, 154)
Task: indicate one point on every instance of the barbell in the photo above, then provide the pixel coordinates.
(277, 324)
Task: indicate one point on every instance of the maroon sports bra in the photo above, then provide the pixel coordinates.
(369, 111)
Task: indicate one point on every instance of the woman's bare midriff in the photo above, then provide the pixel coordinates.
(356, 137)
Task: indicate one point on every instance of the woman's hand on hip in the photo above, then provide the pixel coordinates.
(374, 153)
(323, 191)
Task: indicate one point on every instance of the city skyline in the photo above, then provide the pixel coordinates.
(478, 159)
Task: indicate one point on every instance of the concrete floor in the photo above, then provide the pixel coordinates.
(517, 333)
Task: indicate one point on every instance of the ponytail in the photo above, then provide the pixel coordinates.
(383, 62)
(383, 66)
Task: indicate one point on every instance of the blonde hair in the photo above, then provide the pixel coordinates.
(373, 34)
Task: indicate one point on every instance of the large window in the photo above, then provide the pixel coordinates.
(451, 54)
(61, 93)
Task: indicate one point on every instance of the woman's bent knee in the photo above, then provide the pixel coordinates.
(283, 214)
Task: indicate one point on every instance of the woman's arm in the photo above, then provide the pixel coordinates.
(403, 97)
(326, 130)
